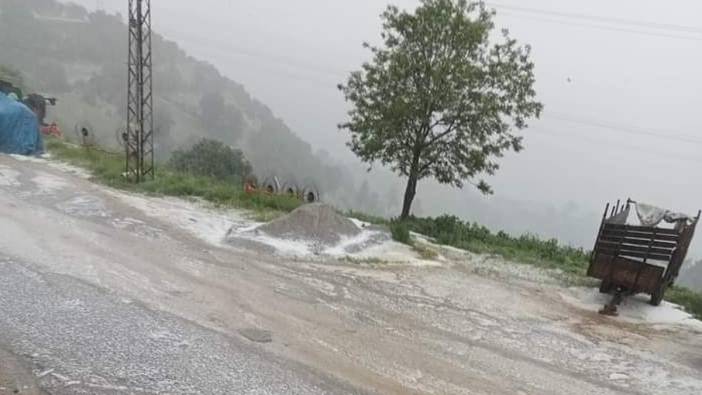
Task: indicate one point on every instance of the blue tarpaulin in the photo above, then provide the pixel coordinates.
(19, 129)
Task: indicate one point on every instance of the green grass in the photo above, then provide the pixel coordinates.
(371, 219)
(364, 261)
(450, 230)
(108, 168)
(425, 252)
(690, 300)
(400, 232)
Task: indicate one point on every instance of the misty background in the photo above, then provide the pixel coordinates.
(619, 81)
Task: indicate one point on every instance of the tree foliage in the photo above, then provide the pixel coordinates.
(213, 159)
(441, 97)
(12, 76)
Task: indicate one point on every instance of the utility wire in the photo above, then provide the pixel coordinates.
(609, 145)
(280, 59)
(603, 27)
(621, 128)
(601, 19)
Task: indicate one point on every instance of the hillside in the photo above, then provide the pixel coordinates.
(79, 57)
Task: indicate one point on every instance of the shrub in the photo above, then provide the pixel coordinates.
(211, 158)
(400, 232)
(529, 248)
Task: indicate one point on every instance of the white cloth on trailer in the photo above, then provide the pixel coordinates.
(651, 215)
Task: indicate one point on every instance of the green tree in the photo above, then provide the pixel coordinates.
(12, 76)
(442, 97)
(214, 159)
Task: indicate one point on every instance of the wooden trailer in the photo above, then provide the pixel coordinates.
(633, 259)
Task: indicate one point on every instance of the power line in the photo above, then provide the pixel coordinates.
(610, 146)
(300, 71)
(604, 27)
(596, 18)
(237, 50)
(621, 128)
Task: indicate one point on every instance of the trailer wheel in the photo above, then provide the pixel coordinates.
(657, 296)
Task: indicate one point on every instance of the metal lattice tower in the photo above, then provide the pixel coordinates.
(139, 139)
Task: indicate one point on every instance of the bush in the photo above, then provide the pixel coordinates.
(108, 167)
(400, 232)
(211, 158)
(528, 248)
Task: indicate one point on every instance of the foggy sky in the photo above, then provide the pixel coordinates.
(291, 54)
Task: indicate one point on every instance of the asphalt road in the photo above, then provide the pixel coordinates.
(105, 293)
(83, 339)
(78, 337)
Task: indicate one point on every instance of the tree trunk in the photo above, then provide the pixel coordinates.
(409, 195)
(411, 183)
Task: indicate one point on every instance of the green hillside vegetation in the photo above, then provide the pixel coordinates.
(79, 57)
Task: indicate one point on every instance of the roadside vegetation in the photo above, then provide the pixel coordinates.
(108, 167)
(171, 180)
(690, 300)
(526, 249)
(451, 231)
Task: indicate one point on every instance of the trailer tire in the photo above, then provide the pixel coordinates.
(606, 287)
(657, 296)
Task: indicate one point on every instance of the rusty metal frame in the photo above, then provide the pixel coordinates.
(139, 144)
